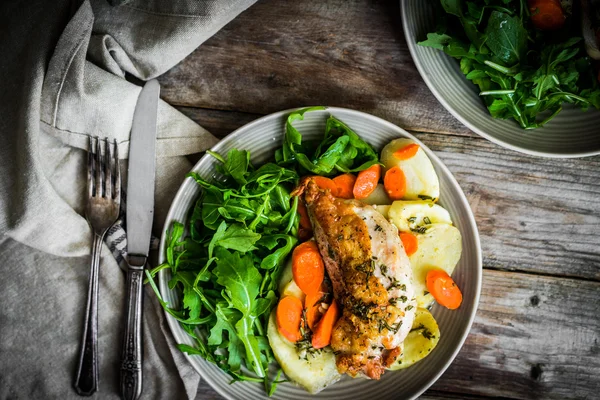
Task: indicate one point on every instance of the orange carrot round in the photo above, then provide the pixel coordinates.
(366, 181)
(546, 15)
(325, 183)
(395, 183)
(407, 151)
(307, 267)
(289, 318)
(345, 185)
(322, 332)
(443, 289)
(311, 305)
(410, 243)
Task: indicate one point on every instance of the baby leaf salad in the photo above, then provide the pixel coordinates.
(528, 58)
(227, 260)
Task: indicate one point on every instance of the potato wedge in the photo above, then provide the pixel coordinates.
(379, 196)
(312, 371)
(439, 247)
(421, 179)
(411, 214)
(421, 340)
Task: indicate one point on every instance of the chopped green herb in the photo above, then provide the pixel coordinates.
(419, 229)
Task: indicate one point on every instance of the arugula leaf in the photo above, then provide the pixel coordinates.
(436, 40)
(277, 257)
(237, 164)
(341, 149)
(226, 320)
(236, 237)
(242, 282)
(506, 37)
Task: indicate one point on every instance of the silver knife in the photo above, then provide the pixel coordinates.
(140, 212)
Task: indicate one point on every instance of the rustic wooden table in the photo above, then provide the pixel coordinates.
(537, 330)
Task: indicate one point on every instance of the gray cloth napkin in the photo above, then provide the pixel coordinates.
(63, 70)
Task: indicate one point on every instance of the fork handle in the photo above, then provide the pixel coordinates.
(86, 380)
(131, 367)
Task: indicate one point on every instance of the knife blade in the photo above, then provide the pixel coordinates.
(139, 216)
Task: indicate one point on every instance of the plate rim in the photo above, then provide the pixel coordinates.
(411, 48)
(162, 284)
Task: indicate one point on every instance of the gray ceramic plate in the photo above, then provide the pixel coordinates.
(261, 138)
(573, 133)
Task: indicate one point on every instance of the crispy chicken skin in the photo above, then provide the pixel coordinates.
(371, 278)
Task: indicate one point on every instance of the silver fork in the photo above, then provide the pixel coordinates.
(104, 200)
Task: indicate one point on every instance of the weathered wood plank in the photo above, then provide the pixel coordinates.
(534, 337)
(279, 55)
(219, 123)
(534, 214)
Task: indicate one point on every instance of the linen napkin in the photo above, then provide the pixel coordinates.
(65, 70)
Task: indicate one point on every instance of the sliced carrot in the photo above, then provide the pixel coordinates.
(311, 305)
(289, 318)
(345, 185)
(407, 151)
(546, 15)
(305, 229)
(395, 183)
(366, 181)
(410, 243)
(322, 332)
(307, 267)
(304, 219)
(325, 183)
(443, 289)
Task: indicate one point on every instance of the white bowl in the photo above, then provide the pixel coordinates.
(261, 138)
(572, 133)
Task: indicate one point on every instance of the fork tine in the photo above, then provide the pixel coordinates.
(91, 168)
(99, 168)
(117, 180)
(108, 167)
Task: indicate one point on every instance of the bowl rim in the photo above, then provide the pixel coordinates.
(412, 49)
(162, 284)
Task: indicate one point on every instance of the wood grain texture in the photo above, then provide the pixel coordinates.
(534, 337)
(284, 54)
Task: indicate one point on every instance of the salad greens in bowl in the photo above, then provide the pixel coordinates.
(514, 71)
(229, 276)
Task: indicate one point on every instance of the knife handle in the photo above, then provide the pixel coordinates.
(131, 366)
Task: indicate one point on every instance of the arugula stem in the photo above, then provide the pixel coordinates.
(501, 68)
(293, 215)
(216, 155)
(259, 327)
(497, 92)
(156, 270)
(554, 114)
(259, 214)
(571, 95)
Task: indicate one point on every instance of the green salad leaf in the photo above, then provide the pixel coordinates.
(340, 149)
(521, 72)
